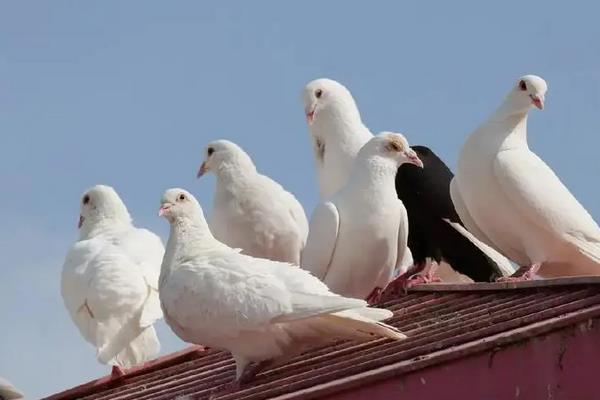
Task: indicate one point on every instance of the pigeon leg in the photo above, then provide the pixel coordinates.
(524, 273)
(249, 372)
(402, 283)
(116, 372)
(429, 275)
(375, 296)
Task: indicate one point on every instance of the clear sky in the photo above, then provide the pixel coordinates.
(127, 93)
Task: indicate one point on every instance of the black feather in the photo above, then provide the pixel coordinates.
(425, 193)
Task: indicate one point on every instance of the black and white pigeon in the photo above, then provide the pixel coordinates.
(435, 231)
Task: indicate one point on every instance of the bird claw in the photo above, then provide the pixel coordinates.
(375, 296)
(117, 372)
(525, 273)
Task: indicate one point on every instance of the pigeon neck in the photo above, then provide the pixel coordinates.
(508, 124)
(233, 170)
(341, 126)
(374, 174)
(92, 228)
(189, 237)
(513, 132)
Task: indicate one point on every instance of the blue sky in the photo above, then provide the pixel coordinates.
(128, 93)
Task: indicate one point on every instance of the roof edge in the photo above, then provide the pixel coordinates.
(483, 286)
(168, 360)
(467, 349)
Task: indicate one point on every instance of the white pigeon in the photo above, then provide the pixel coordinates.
(257, 309)
(358, 238)
(251, 211)
(338, 133)
(110, 281)
(508, 197)
(8, 391)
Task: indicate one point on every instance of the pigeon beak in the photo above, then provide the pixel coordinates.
(414, 159)
(164, 209)
(202, 170)
(310, 114)
(537, 101)
(80, 223)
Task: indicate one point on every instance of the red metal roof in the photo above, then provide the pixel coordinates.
(443, 322)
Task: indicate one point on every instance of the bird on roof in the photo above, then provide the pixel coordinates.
(251, 211)
(8, 391)
(358, 237)
(261, 311)
(110, 281)
(511, 199)
(436, 232)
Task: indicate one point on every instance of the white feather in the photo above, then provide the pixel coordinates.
(8, 391)
(253, 212)
(110, 288)
(516, 201)
(255, 308)
(359, 237)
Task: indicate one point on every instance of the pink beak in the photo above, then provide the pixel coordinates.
(310, 117)
(537, 101)
(80, 223)
(310, 113)
(164, 209)
(202, 170)
(414, 159)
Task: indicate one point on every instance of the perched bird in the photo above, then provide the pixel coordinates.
(358, 237)
(338, 133)
(436, 231)
(259, 310)
(110, 281)
(512, 200)
(251, 211)
(8, 391)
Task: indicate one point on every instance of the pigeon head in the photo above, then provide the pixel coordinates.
(99, 203)
(529, 91)
(325, 99)
(178, 203)
(391, 146)
(223, 154)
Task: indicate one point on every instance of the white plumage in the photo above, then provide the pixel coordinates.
(110, 281)
(338, 133)
(257, 309)
(251, 211)
(513, 201)
(8, 391)
(359, 236)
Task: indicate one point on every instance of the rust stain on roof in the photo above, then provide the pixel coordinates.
(443, 322)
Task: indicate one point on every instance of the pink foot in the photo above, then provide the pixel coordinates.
(525, 273)
(400, 285)
(117, 372)
(375, 296)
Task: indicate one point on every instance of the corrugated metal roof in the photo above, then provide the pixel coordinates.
(444, 322)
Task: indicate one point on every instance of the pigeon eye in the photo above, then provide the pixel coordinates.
(522, 85)
(210, 151)
(181, 197)
(318, 93)
(86, 199)
(393, 146)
